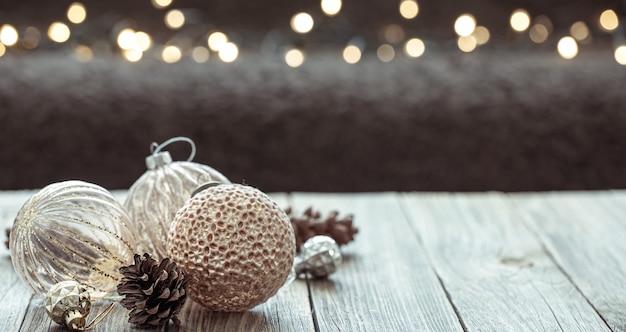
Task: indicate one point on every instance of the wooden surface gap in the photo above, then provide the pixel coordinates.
(551, 256)
(316, 325)
(494, 269)
(583, 234)
(418, 237)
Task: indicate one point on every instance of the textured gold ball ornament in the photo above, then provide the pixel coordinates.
(235, 244)
(155, 197)
(71, 230)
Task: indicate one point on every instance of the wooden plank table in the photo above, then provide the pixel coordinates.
(424, 262)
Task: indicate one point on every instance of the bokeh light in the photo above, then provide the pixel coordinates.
(580, 31)
(567, 47)
(331, 7)
(228, 52)
(409, 9)
(467, 43)
(609, 20)
(538, 33)
(620, 55)
(174, 19)
(127, 39)
(160, 3)
(545, 21)
(200, 54)
(393, 33)
(8, 35)
(133, 55)
(482, 35)
(76, 13)
(3, 50)
(465, 25)
(302, 23)
(414, 48)
(520, 20)
(59, 32)
(352, 54)
(294, 58)
(385, 53)
(31, 37)
(143, 41)
(216, 40)
(171, 54)
(83, 53)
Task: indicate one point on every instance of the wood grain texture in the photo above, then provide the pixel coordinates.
(289, 310)
(586, 235)
(495, 269)
(385, 282)
(14, 295)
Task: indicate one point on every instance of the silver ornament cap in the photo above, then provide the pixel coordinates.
(158, 159)
(320, 256)
(68, 303)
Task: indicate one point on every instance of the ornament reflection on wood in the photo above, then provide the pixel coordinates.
(235, 245)
(155, 197)
(319, 256)
(71, 230)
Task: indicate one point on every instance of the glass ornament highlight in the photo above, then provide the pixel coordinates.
(71, 230)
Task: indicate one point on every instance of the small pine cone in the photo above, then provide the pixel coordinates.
(311, 224)
(154, 293)
(8, 233)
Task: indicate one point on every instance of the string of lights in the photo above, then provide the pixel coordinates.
(193, 37)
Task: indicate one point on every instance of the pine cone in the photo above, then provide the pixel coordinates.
(311, 224)
(8, 233)
(153, 293)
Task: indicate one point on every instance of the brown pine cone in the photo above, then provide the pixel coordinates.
(154, 293)
(311, 224)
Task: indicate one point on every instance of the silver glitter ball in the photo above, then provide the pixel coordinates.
(320, 256)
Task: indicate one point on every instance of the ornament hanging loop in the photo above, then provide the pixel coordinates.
(155, 148)
(161, 158)
(75, 319)
(99, 317)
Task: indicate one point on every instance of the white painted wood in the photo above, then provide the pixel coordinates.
(495, 269)
(385, 282)
(586, 234)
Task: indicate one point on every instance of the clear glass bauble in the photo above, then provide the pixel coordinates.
(72, 230)
(164, 188)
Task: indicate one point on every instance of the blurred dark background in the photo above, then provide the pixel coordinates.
(512, 115)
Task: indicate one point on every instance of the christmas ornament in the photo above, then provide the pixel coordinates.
(153, 292)
(68, 303)
(155, 197)
(235, 245)
(320, 256)
(71, 230)
(311, 224)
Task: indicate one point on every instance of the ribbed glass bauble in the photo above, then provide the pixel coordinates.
(72, 230)
(155, 197)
